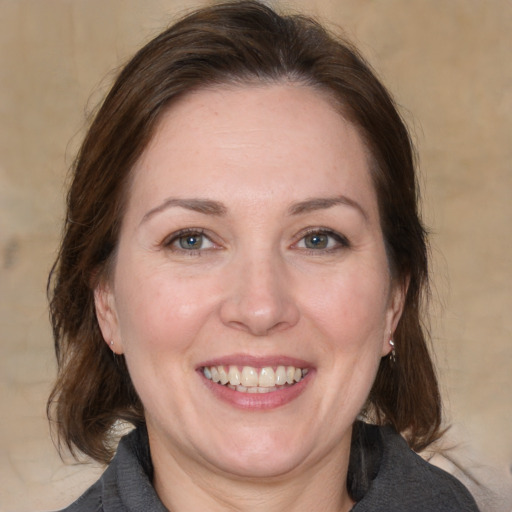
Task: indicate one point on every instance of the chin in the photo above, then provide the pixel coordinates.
(261, 466)
(260, 455)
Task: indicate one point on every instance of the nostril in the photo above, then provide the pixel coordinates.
(237, 325)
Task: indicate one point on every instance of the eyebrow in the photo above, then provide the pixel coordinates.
(209, 207)
(323, 203)
(204, 206)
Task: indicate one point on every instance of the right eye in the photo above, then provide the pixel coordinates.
(318, 241)
(189, 241)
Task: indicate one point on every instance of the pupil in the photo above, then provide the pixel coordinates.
(316, 241)
(190, 242)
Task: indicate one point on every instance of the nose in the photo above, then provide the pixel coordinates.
(259, 298)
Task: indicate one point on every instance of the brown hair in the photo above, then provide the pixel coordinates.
(237, 42)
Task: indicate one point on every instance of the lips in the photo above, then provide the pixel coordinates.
(253, 379)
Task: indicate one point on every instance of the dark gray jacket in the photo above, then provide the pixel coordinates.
(391, 478)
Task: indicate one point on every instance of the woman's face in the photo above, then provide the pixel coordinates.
(251, 295)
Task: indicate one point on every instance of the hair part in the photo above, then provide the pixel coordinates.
(239, 43)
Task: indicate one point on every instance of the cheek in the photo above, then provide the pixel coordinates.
(160, 322)
(351, 310)
(159, 312)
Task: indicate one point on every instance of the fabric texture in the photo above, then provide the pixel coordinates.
(384, 476)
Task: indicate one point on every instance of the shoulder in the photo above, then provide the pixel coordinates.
(126, 483)
(90, 501)
(405, 481)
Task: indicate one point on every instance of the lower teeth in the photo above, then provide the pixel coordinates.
(256, 389)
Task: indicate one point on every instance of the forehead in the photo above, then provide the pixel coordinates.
(252, 140)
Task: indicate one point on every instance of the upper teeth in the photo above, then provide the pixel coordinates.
(249, 376)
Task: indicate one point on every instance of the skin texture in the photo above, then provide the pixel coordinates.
(253, 288)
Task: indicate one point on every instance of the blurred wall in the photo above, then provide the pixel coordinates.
(449, 65)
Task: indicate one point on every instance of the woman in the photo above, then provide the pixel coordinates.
(241, 277)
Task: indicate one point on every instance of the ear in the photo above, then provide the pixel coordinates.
(397, 297)
(104, 303)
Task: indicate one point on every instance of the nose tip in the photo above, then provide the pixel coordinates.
(259, 303)
(257, 321)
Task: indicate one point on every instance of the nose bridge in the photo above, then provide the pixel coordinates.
(259, 298)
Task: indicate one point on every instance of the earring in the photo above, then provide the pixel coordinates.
(114, 353)
(392, 355)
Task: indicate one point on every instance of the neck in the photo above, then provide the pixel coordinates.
(185, 486)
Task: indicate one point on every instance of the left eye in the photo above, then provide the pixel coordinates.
(319, 240)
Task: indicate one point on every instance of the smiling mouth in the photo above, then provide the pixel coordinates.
(249, 379)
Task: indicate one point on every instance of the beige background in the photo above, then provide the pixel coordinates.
(449, 62)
